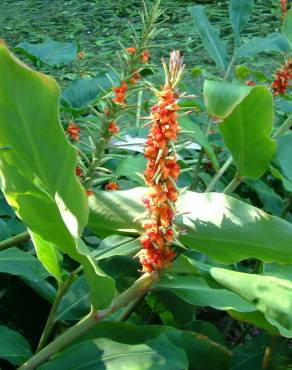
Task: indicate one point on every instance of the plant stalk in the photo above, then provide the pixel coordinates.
(219, 174)
(268, 352)
(62, 289)
(232, 185)
(15, 240)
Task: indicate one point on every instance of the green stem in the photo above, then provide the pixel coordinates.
(284, 127)
(219, 174)
(200, 159)
(139, 107)
(138, 289)
(15, 240)
(232, 185)
(229, 68)
(129, 309)
(62, 289)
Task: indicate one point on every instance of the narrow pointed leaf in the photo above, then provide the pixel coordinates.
(209, 36)
(239, 12)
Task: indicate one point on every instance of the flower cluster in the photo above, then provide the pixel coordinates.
(73, 131)
(282, 78)
(112, 186)
(161, 174)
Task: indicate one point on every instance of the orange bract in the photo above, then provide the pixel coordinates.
(73, 131)
(145, 56)
(113, 128)
(131, 50)
(112, 186)
(120, 93)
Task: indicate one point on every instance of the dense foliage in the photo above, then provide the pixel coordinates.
(146, 207)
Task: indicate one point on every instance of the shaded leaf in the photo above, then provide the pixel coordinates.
(53, 53)
(13, 346)
(105, 354)
(273, 42)
(14, 261)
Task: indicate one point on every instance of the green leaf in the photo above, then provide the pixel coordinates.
(272, 202)
(117, 245)
(247, 122)
(76, 302)
(210, 37)
(50, 52)
(213, 226)
(45, 183)
(133, 168)
(272, 295)
(274, 42)
(81, 93)
(287, 26)
(283, 157)
(13, 346)
(195, 290)
(239, 12)
(197, 346)
(98, 354)
(14, 261)
(194, 131)
(49, 255)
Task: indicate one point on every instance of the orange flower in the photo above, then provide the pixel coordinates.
(131, 50)
(113, 128)
(160, 175)
(135, 78)
(73, 131)
(81, 55)
(250, 83)
(145, 56)
(112, 186)
(120, 93)
(89, 192)
(78, 171)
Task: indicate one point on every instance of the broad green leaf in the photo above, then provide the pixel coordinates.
(99, 354)
(133, 168)
(81, 93)
(287, 26)
(255, 318)
(50, 52)
(239, 12)
(283, 157)
(197, 346)
(271, 295)
(247, 122)
(49, 255)
(76, 302)
(209, 36)
(195, 290)
(5, 232)
(14, 261)
(13, 346)
(194, 131)
(274, 42)
(213, 224)
(220, 106)
(44, 191)
(272, 202)
(117, 245)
